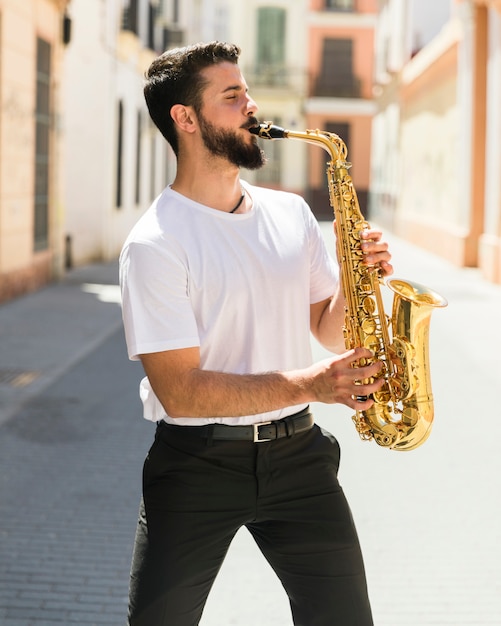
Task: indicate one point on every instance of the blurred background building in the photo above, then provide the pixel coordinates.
(340, 57)
(412, 86)
(436, 156)
(31, 210)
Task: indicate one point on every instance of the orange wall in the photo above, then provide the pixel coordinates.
(358, 26)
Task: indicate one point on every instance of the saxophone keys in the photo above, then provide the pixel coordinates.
(368, 305)
(366, 285)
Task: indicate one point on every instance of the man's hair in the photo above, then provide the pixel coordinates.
(175, 78)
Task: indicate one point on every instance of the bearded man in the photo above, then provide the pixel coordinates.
(222, 284)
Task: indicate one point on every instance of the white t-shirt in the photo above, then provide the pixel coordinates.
(238, 286)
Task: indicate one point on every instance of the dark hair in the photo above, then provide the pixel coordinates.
(174, 78)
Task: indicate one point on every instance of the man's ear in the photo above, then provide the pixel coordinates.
(183, 117)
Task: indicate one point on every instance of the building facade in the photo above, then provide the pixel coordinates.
(33, 34)
(98, 161)
(309, 64)
(436, 152)
(273, 39)
(340, 100)
(115, 161)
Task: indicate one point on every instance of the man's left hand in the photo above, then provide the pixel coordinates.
(376, 251)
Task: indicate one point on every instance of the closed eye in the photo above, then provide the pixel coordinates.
(233, 91)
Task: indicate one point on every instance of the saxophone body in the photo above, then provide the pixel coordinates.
(402, 414)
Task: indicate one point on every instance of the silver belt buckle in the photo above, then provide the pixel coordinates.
(256, 432)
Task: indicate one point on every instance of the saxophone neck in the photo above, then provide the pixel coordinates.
(331, 142)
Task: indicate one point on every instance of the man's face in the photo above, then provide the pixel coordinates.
(230, 144)
(227, 114)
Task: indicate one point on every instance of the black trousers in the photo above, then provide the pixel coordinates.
(195, 498)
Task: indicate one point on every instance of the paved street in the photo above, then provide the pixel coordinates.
(72, 442)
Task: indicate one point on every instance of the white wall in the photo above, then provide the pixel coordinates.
(102, 66)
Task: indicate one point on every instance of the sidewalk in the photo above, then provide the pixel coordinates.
(428, 520)
(42, 334)
(72, 443)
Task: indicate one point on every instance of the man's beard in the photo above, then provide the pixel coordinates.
(228, 144)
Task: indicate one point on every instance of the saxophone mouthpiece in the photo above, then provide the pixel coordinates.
(268, 130)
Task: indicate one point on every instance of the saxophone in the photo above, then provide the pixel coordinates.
(402, 414)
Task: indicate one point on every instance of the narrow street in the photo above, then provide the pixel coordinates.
(72, 443)
(70, 483)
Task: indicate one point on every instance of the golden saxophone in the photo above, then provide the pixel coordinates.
(402, 414)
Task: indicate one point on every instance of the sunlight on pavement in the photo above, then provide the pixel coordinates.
(104, 293)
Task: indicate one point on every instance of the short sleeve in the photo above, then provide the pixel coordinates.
(156, 307)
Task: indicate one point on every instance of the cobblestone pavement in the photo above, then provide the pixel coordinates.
(72, 444)
(70, 464)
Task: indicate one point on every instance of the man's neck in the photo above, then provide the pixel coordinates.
(216, 187)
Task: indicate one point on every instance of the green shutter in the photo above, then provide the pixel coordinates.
(271, 37)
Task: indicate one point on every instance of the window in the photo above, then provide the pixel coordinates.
(341, 129)
(130, 16)
(336, 77)
(138, 156)
(271, 36)
(120, 139)
(270, 56)
(42, 141)
(152, 14)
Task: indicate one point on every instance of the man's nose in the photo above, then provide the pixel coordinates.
(252, 107)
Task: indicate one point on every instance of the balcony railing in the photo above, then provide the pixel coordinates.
(349, 88)
(279, 77)
(340, 5)
(172, 36)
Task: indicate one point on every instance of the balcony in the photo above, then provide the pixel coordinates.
(344, 6)
(349, 87)
(172, 36)
(276, 77)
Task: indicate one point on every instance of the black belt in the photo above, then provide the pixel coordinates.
(262, 431)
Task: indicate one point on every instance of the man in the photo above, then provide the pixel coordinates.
(222, 283)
